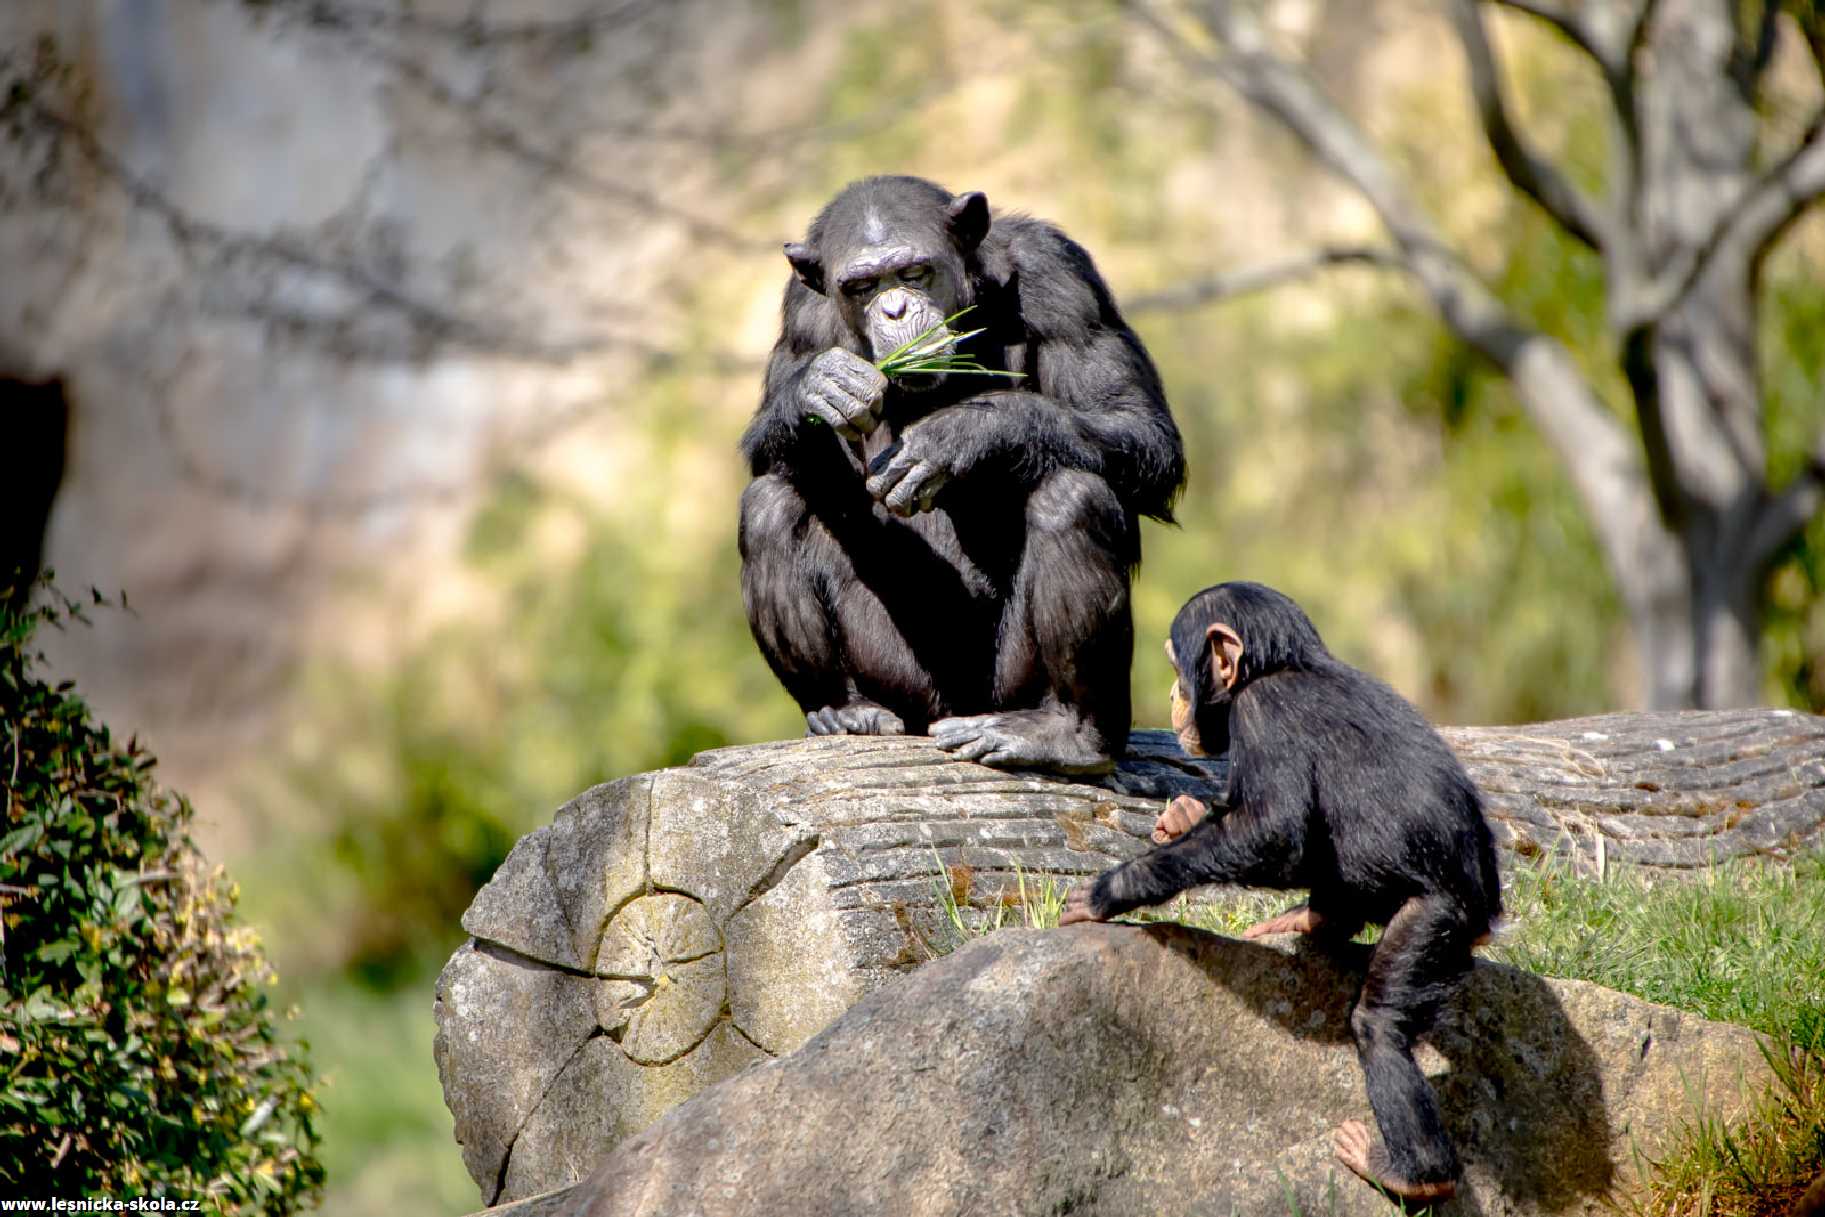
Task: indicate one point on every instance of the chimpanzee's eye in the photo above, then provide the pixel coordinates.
(859, 288)
(918, 272)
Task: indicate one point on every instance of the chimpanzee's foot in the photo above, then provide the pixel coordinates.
(859, 717)
(1357, 1150)
(1297, 920)
(1178, 818)
(1023, 739)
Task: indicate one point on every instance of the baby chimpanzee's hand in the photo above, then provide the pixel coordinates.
(1078, 905)
(1177, 819)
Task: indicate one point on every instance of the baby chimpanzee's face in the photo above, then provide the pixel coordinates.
(1183, 721)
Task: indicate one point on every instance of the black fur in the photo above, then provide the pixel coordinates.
(1339, 786)
(1011, 594)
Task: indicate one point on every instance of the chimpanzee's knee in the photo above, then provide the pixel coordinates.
(773, 517)
(1082, 511)
(1376, 1027)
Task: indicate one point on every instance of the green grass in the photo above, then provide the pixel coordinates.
(388, 1145)
(934, 352)
(1743, 942)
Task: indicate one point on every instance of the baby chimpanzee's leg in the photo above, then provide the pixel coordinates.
(1421, 960)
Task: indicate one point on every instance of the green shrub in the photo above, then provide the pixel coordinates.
(138, 1055)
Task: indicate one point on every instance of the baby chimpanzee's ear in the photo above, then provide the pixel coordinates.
(1225, 653)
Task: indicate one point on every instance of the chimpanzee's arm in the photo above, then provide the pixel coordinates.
(782, 437)
(1261, 847)
(1092, 400)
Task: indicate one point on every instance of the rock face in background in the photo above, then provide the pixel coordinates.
(1161, 1070)
(670, 929)
(311, 273)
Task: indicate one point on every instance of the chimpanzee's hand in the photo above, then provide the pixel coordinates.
(845, 391)
(1078, 904)
(909, 473)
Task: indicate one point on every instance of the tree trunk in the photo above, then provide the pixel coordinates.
(1701, 409)
(669, 929)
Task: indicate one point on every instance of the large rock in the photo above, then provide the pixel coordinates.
(667, 930)
(1163, 1070)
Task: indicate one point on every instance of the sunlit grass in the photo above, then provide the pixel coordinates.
(935, 352)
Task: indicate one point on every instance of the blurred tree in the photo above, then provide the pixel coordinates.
(1689, 519)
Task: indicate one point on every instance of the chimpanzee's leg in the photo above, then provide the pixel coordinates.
(1066, 638)
(824, 630)
(1422, 959)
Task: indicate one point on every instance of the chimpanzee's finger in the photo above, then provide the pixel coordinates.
(904, 499)
(890, 474)
(974, 750)
(861, 378)
(950, 731)
(933, 485)
(822, 405)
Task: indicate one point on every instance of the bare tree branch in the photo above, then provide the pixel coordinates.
(1789, 512)
(1643, 374)
(1784, 191)
(468, 32)
(1751, 58)
(1602, 456)
(1259, 278)
(1569, 207)
(510, 140)
(1753, 225)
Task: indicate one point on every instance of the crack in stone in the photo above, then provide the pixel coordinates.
(500, 1178)
(508, 955)
(551, 885)
(680, 1055)
(797, 852)
(756, 1044)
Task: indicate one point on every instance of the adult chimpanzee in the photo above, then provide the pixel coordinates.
(952, 553)
(1337, 785)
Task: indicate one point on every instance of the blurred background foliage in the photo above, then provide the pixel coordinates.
(1342, 445)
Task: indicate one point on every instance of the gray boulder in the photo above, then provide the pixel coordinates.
(1161, 1070)
(670, 929)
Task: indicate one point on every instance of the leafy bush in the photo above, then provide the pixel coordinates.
(138, 1055)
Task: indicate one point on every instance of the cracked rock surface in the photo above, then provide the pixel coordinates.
(1159, 1070)
(669, 930)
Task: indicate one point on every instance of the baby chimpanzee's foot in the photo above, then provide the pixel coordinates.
(1024, 739)
(859, 717)
(1299, 919)
(1358, 1151)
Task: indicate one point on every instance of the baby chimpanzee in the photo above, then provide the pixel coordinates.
(1339, 786)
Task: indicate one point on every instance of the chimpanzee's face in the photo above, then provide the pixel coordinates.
(1201, 701)
(892, 289)
(1184, 722)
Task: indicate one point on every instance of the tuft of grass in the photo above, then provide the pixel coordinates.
(1034, 902)
(1759, 1166)
(934, 352)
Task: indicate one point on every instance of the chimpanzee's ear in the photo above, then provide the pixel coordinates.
(1225, 653)
(805, 265)
(1172, 656)
(968, 220)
